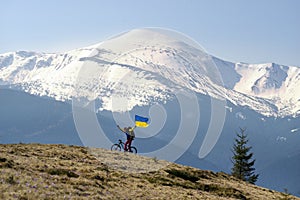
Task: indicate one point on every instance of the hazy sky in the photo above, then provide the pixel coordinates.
(253, 31)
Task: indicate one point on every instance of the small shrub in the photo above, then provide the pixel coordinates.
(222, 191)
(11, 180)
(100, 178)
(160, 181)
(84, 150)
(155, 159)
(286, 191)
(183, 174)
(61, 172)
(4, 163)
(286, 194)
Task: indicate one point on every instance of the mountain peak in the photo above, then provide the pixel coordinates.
(165, 60)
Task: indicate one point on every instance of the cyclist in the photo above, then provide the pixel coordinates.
(130, 136)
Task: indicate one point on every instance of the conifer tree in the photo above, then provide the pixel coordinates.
(243, 164)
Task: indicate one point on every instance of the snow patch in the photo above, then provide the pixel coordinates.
(229, 108)
(294, 130)
(240, 115)
(281, 139)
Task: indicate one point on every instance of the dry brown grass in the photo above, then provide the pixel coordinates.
(35, 171)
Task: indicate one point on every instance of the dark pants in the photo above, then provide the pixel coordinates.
(128, 144)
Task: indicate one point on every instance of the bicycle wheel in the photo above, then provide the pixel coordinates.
(133, 150)
(115, 147)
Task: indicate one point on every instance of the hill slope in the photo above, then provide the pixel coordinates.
(35, 171)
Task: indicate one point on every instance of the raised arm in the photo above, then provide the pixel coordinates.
(121, 129)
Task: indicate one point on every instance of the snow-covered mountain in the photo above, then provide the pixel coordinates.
(141, 70)
(164, 64)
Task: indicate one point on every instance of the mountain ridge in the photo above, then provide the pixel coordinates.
(54, 75)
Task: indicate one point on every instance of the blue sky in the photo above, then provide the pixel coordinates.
(253, 31)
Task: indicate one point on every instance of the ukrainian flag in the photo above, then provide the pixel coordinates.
(141, 121)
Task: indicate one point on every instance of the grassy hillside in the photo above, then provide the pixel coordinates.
(35, 171)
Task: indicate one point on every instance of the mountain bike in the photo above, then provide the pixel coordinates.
(119, 146)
